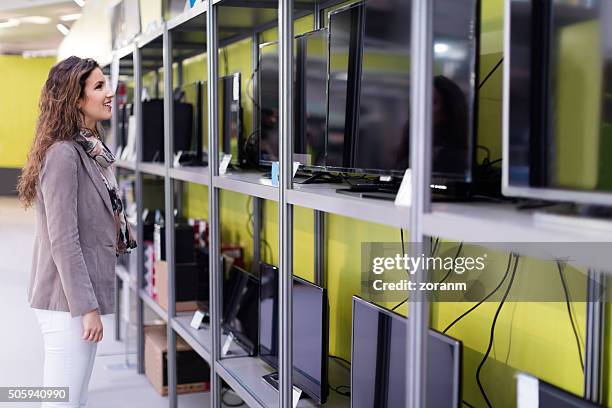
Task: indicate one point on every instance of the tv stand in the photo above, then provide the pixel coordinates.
(321, 177)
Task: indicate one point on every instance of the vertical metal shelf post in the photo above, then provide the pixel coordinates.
(319, 216)
(421, 79)
(258, 203)
(594, 347)
(139, 208)
(169, 211)
(112, 144)
(285, 63)
(212, 49)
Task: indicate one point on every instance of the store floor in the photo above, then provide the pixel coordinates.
(113, 384)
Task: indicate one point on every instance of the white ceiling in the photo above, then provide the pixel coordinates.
(20, 4)
(33, 37)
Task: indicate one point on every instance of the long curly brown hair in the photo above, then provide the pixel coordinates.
(59, 118)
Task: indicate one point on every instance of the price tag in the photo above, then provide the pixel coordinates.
(198, 316)
(227, 344)
(527, 391)
(177, 159)
(296, 166)
(274, 174)
(404, 195)
(297, 393)
(236, 90)
(225, 161)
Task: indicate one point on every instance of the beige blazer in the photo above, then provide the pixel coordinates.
(73, 266)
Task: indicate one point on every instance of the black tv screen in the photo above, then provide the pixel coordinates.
(557, 101)
(193, 94)
(240, 307)
(268, 103)
(311, 99)
(369, 87)
(310, 332)
(230, 125)
(550, 396)
(378, 366)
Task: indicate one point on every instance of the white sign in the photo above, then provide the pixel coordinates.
(227, 344)
(404, 195)
(225, 161)
(527, 391)
(198, 316)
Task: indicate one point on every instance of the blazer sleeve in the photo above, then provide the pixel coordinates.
(59, 185)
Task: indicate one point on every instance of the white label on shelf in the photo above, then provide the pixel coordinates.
(527, 391)
(297, 393)
(225, 161)
(227, 344)
(236, 87)
(274, 174)
(404, 195)
(198, 316)
(296, 166)
(177, 159)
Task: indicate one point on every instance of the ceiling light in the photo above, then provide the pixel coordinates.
(39, 53)
(70, 17)
(63, 29)
(35, 20)
(11, 22)
(81, 3)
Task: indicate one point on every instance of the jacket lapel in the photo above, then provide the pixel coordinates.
(96, 177)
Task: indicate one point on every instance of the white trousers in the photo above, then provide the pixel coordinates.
(69, 359)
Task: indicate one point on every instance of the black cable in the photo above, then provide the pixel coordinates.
(467, 404)
(569, 312)
(225, 391)
(486, 149)
(343, 393)
(452, 269)
(491, 73)
(432, 253)
(492, 334)
(470, 310)
(341, 359)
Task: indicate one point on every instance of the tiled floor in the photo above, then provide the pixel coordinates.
(21, 349)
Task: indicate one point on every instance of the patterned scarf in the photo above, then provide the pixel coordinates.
(103, 157)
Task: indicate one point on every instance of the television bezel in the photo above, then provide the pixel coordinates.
(240, 337)
(324, 341)
(471, 100)
(540, 193)
(457, 346)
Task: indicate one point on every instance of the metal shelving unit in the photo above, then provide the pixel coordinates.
(216, 23)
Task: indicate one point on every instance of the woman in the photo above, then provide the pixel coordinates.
(80, 223)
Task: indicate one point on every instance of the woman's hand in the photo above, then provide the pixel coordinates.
(92, 326)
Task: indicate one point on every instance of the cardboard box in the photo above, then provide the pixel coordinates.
(161, 286)
(193, 373)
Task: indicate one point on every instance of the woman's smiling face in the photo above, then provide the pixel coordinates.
(96, 103)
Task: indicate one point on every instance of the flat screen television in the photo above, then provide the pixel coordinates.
(550, 396)
(378, 361)
(311, 99)
(557, 141)
(241, 308)
(193, 94)
(368, 124)
(230, 125)
(310, 331)
(268, 103)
